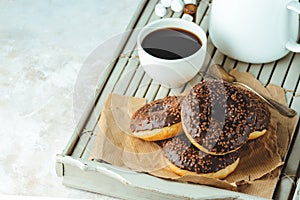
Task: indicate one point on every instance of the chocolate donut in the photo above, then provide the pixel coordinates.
(157, 120)
(185, 159)
(262, 115)
(217, 117)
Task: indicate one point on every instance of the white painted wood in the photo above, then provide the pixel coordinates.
(152, 91)
(218, 58)
(176, 91)
(292, 77)
(127, 75)
(297, 191)
(135, 82)
(296, 99)
(284, 188)
(281, 69)
(265, 73)
(140, 185)
(162, 92)
(255, 69)
(95, 112)
(286, 183)
(59, 169)
(210, 47)
(204, 23)
(293, 160)
(229, 64)
(242, 67)
(201, 11)
(84, 138)
(88, 149)
(143, 87)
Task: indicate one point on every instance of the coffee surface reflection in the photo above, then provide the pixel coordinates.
(171, 43)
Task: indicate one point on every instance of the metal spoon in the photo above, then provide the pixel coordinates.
(217, 71)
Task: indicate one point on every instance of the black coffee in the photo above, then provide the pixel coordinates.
(171, 43)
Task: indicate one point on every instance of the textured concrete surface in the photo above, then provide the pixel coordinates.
(43, 45)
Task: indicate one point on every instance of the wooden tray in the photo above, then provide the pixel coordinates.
(95, 176)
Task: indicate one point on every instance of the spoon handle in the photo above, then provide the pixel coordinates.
(217, 71)
(284, 110)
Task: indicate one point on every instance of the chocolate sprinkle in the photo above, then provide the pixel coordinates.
(157, 114)
(218, 116)
(262, 112)
(184, 155)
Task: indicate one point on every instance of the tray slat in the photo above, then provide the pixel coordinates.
(266, 73)
(229, 64)
(291, 78)
(138, 76)
(296, 98)
(144, 85)
(281, 69)
(255, 69)
(242, 67)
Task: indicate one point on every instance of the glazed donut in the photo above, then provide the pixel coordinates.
(217, 117)
(262, 115)
(185, 159)
(157, 120)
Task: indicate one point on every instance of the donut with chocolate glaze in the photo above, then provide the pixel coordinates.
(184, 158)
(262, 115)
(217, 117)
(157, 120)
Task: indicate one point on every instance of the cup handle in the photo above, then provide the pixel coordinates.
(293, 45)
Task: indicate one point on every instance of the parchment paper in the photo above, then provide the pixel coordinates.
(260, 160)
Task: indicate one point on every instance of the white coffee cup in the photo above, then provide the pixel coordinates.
(255, 31)
(172, 73)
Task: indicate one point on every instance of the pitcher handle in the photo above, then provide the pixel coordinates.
(293, 45)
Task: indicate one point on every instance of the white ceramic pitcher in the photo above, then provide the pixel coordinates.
(255, 31)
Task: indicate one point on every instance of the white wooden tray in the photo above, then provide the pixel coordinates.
(81, 173)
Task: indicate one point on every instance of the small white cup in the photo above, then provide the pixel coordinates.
(172, 73)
